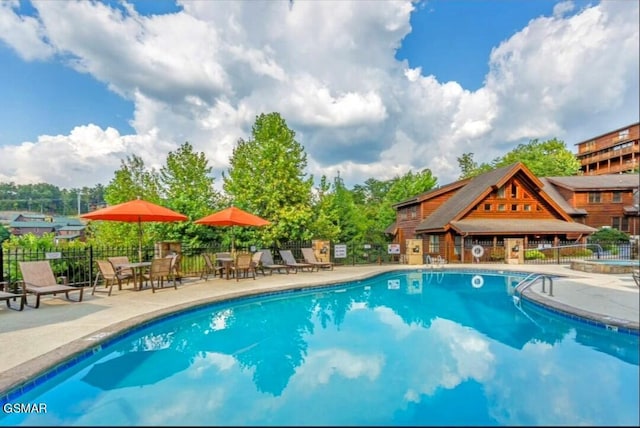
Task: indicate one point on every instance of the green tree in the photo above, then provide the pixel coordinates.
(132, 180)
(189, 189)
(4, 234)
(545, 159)
(267, 177)
(324, 225)
(470, 168)
(549, 158)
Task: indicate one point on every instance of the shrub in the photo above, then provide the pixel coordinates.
(534, 255)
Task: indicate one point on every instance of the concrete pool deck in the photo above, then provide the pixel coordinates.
(35, 340)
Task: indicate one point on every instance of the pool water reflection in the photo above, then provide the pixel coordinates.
(403, 348)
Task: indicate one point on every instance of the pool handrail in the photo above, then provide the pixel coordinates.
(530, 279)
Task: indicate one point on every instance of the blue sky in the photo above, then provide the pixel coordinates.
(372, 89)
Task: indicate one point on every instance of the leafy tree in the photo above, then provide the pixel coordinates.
(267, 177)
(470, 168)
(545, 159)
(349, 218)
(4, 234)
(188, 187)
(132, 180)
(324, 225)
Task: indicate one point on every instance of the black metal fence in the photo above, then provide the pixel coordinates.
(78, 264)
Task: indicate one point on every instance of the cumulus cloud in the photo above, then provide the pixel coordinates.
(203, 73)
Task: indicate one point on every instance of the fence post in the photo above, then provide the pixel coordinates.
(1, 264)
(90, 265)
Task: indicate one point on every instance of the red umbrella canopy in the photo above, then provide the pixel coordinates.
(135, 211)
(232, 216)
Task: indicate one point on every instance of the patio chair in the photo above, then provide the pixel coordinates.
(160, 271)
(636, 276)
(38, 279)
(210, 268)
(267, 263)
(289, 260)
(176, 259)
(243, 264)
(8, 296)
(310, 257)
(121, 260)
(109, 276)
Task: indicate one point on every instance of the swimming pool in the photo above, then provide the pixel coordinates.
(403, 348)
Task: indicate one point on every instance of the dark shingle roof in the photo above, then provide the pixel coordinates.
(597, 182)
(480, 226)
(464, 197)
(553, 193)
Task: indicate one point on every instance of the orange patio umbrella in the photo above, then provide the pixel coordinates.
(232, 216)
(136, 211)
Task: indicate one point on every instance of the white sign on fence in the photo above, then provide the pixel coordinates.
(340, 251)
(56, 255)
(393, 249)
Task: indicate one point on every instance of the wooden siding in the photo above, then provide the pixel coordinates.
(602, 213)
(524, 195)
(611, 153)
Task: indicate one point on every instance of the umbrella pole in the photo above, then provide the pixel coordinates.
(139, 240)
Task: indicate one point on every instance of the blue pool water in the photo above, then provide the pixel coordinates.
(403, 348)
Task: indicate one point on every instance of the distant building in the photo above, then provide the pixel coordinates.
(510, 207)
(615, 152)
(64, 228)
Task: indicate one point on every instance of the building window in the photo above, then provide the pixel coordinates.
(434, 244)
(514, 207)
(514, 191)
(403, 214)
(414, 211)
(501, 207)
(616, 197)
(487, 207)
(594, 197)
(526, 207)
(623, 134)
(500, 192)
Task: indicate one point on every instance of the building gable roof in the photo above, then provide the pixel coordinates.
(478, 188)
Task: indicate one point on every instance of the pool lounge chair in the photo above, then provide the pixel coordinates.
(38, 279)
(310, 257)
(267, 263)
(7, 297)
(289, 260)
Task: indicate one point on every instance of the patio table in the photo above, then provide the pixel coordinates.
(136, 268)
(226, 262)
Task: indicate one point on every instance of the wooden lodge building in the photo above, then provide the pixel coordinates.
(506, 211)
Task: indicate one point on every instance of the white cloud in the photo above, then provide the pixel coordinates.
(203, 74)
